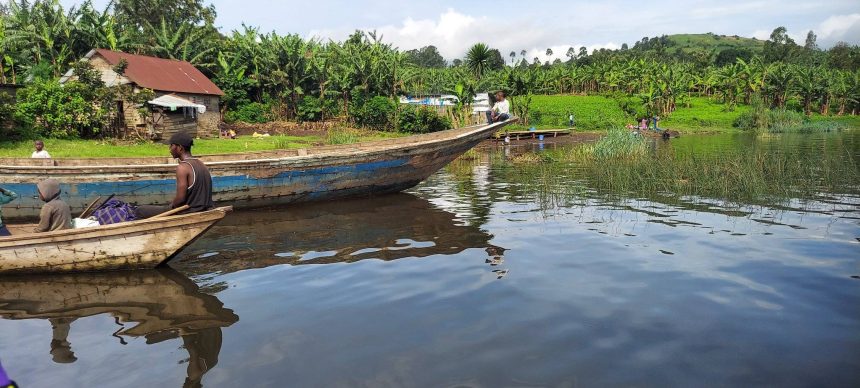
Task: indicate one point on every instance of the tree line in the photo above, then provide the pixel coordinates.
(271, 76)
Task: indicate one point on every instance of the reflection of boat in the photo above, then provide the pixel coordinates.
(386, 228)
(128, 245)
(156, 304)
(253, 179)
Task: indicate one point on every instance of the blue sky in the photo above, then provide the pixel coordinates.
(518, 25)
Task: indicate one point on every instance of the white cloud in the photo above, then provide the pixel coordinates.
(454, 32)
(838, 27)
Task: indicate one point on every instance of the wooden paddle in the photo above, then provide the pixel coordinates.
(92, 204)
(171, 212)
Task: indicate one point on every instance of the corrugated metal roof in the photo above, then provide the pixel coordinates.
(167, 75)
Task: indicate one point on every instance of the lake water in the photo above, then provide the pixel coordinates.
(469, 280)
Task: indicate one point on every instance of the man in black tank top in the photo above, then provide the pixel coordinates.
(193, 182)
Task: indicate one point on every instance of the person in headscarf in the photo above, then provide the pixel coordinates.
(55, 214)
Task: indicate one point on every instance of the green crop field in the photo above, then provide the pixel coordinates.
(591, 112)
(702, 113)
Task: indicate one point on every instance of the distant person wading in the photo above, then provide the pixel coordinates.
(193, 182)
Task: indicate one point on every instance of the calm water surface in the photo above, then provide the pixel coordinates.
(469, 281)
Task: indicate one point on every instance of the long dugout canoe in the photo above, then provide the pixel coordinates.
(247, 180)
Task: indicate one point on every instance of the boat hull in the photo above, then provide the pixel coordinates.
(258, 180)
(129, 245)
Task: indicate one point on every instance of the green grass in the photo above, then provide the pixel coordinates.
(108, 148)
(59, 148)
(591, 112)
(703, 114)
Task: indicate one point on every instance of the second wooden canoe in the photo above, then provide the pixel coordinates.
(129, 245)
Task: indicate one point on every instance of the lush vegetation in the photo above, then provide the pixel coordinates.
(622, 164)
(270, 76)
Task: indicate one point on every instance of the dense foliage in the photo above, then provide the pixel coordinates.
(268, 76)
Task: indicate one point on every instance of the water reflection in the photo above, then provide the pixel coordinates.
(386, 228)
(158, 305)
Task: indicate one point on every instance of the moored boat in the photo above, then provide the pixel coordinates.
(252, 179)
(128, 245)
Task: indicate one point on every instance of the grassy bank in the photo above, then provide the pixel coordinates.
(696, 114)
(59, 148)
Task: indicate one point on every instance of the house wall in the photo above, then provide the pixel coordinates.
(109, 77)
(207, 123)
(199, 125)
(171, 122)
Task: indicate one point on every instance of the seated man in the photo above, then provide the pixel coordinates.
(501, 109)
(55, 214)
(193, 182)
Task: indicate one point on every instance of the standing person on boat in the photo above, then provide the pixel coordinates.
(40, 152)
(501, 109)
(6, 196)
(55, 214)
(193, 182)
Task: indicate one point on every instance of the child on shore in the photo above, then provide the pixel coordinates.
(40, 152)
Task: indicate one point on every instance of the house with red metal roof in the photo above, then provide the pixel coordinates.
(185, 99)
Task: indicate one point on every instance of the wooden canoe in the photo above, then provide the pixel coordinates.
(246, 180)
(129, 245)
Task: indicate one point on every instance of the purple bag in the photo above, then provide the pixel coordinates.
(114, 212)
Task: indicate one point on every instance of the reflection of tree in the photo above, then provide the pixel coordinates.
(160, 304)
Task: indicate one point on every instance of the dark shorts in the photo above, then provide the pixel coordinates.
(147, 211)
(4, 231)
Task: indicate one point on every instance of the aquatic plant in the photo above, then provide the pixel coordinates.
(751, 176)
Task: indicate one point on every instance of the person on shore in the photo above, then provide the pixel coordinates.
(643, 125)
(501, 109)
(55, 214)
(656, 120)
(193, 182)
(6, 196)
(571, 120)
(40, 152)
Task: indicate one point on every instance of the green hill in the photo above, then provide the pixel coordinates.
(711, 42)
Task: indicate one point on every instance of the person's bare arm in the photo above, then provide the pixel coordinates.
(183, 177)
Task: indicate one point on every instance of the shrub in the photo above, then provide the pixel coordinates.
(780, 120)
(619, 143)
(310, 109)
(62, 111)
(343, 136)
(376, 113)
(421, 120)
(254, 112)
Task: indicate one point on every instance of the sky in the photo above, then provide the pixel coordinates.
(534, 26)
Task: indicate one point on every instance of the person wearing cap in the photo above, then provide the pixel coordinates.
(193, 182)
(55, 214)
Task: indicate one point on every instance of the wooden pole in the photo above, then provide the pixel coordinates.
(172, 211)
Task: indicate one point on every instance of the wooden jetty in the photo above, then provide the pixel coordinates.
(517, 135)
(128, 245)
(246, 180)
